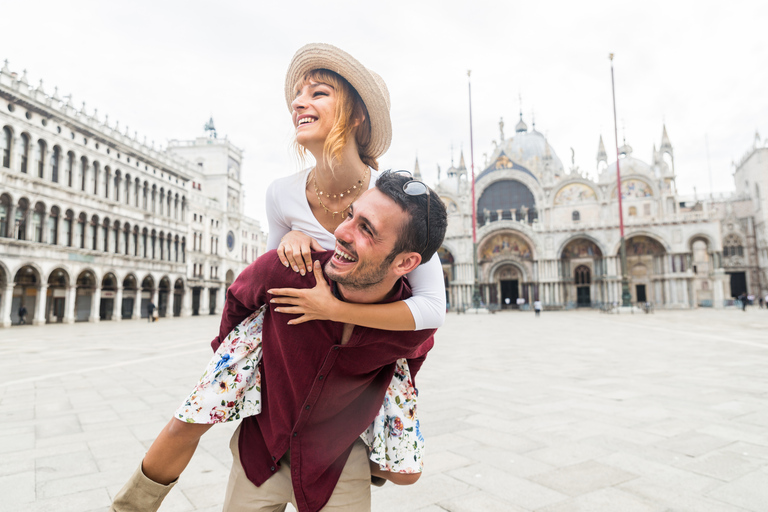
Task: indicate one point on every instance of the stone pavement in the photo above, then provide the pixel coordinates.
(573, 411)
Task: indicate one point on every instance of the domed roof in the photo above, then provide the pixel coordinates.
(627, 165)
(531, 150)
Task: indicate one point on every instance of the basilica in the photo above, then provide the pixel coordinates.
(96, 225)
(552, 234)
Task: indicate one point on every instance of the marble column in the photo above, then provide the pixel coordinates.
(137, 305)
(186, 302)
(42, 292)
(117, 309)
(5, 306)
(69, 305)
(205, 295)
(95, 305)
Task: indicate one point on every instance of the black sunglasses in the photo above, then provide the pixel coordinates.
(415, 187)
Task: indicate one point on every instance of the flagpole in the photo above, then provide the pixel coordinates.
(475, 288)
(626, 297)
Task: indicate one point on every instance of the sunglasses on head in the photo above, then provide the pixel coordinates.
(415, 187)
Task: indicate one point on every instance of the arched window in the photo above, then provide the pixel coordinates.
(575, 216)
(105, 234)
(511, 198)
(40, 158)
(55, 157)
(83, 173)
(582, 275)
(117, 185)
(53, 226)
(732, 246)
(93, 232)
(5, 208)
(137, 193)
(107, 177)
(37, 223)
(24, 152)
(128, 189)
(70, 168)
(22, 210)
(68, 221)
(96, 173)
(80, 231)
(116, 236)
(7, 140)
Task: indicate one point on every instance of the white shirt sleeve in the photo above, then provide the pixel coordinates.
(427, 304)
(278, 227)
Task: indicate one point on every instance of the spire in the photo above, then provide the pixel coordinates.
(438, 173)
(521, 126)
(666, 145)
(462, 165)
(501, 130)
(602, 156)
(210, 129)
(416, 170)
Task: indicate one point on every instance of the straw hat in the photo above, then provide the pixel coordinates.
(369, 86)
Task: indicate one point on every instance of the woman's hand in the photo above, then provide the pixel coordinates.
(316, 303)
(294, 251)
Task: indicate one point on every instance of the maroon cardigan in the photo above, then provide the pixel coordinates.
(318, 396)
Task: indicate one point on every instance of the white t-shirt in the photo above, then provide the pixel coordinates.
(288, 210)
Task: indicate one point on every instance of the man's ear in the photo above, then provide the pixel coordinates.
(405, 263)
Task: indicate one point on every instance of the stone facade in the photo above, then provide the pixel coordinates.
(95, 224)
(547, 233)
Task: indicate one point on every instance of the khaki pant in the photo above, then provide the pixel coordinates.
(352, 492)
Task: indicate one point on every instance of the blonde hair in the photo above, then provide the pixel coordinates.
(349, 107)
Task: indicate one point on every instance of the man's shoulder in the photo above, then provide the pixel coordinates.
(269, 266)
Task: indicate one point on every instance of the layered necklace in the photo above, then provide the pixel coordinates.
(358, 187)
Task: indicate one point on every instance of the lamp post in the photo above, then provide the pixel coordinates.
(626, 297)
(475, 286)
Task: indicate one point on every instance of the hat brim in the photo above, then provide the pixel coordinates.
(370, 86)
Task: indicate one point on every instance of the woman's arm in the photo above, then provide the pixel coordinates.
(278, 227)
(318, 303)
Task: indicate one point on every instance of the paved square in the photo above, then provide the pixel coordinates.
(573, 411)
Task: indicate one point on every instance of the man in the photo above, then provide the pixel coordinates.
(323, 382)
(22, 315)
(150, 311)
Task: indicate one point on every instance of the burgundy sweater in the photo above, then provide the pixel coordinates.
(318, 396)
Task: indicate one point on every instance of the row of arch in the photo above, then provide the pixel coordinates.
(64, 168)
(61, 296)
(37, 223)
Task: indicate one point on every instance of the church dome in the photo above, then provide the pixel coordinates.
(531, 150)
(628, 165)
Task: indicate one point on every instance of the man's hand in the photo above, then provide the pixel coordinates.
(316, 303)
(294, 251)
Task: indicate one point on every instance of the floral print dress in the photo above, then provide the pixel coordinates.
(230, 389)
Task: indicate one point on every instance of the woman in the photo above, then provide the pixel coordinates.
(342, 119)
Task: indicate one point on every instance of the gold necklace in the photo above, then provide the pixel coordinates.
(319, 193)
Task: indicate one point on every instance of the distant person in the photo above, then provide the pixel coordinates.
(766, 301)
(537, 307)
(761, 302)
(743, 299)
(151, 311)
(22, 315)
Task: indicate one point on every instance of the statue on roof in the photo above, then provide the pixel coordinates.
(210, 129)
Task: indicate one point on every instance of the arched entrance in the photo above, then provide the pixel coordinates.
(507, 291)
(58, 283)
(86, 285)
(228, 280)
(644, 261)
(130, 295)
(178, 297)
(147, 289)
(25, 290)
(108, 294)
(4, 295)
(447, 262)
(582, 269)
(506, 257)
(162, 297)
(582, 278)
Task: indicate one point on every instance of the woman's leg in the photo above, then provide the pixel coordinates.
(172, 450)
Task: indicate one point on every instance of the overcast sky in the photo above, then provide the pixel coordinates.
(164, 67)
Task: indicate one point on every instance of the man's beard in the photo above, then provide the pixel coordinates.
(365, 274)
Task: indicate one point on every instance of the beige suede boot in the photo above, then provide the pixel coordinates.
(140, 494)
